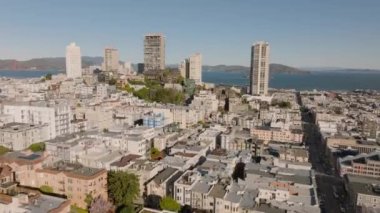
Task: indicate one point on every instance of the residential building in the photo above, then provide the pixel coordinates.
(73, 61)
(163, 183)
(277, 134)
(72, 180)
(367, 165)
(259, 75)
(191, 68)
(154, 52)
(31, 201)
(19, 136)
(364, 193)
(56, 114)
(111, 60)
(293, 154)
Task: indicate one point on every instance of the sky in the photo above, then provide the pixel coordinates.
(301, 33)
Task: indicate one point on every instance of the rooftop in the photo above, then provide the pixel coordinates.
(164, 175)
(16, 127)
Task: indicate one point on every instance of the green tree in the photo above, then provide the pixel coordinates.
(88, 199)
(46, 189)
(112, 81)
(48, 76)
(37, 147)
(3, 150)
(154, 153)
(128, 88)
(168, 203)
(127, 209)
(143, 93)
(123, 187)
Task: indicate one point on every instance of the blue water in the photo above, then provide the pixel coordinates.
(315, 80)
(25, 73)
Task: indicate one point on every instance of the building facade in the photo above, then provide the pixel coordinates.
(111, 60)
(56, 114)
(259, 75)
(154, 52)
(191, 68)
(19, 136)
(73, 61)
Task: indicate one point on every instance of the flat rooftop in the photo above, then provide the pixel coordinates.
(16, 127)
(73, 169)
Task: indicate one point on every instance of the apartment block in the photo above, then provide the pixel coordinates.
(56, 114)
(19, 136)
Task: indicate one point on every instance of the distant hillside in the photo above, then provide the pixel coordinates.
(54, 64)
(274, 68)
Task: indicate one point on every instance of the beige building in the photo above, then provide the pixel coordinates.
(72, 180)
(191, 68)
(300, 155)
(154, 52)
(278, 135)
(367, 165)
(259, 75)
(345, 142)
(111, 60)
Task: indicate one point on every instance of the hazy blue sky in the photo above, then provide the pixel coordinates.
(343, 33)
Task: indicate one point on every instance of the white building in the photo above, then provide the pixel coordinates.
(19, 136)
(56, 114)
(73, 61)
(191, 68)
(259, 76)
(206, 101)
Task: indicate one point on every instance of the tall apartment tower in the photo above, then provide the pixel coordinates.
(191, 68)
(111, 60)
(73, 61)
(154, 52)
(259, 75)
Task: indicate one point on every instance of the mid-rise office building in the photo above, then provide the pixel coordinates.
(191, 68)
(154, 52)
(259, 75)
(111, 60)
(73, 61)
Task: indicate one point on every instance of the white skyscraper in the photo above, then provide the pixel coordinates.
(259, 75)
(191, 68)
(73, 61)
(195, 68)
(111, 60)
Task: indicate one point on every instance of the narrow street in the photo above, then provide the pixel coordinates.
(330, 186)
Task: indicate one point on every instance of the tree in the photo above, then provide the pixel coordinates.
(48, 76)
(239, 171)
(37, 147)
(112, 81)
(46, 189)
(155, 153)
(3, 150)
(123, 187)
(168, 203)
(127, 209)
(99, 205)
(88, 199)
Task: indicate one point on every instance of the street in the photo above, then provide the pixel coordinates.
(330, 186)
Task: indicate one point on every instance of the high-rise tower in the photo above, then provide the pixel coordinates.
(259, 75)
(73, 61)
